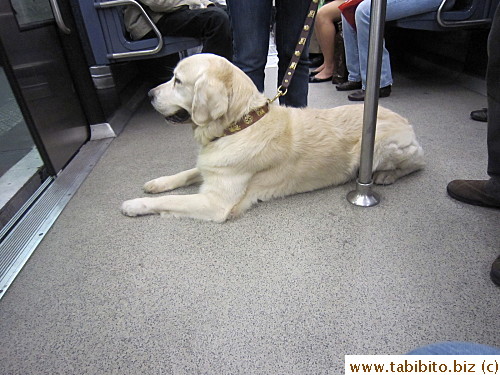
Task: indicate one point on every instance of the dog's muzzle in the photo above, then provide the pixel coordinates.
(179, 117)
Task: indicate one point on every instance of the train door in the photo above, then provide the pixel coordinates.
(42, 115)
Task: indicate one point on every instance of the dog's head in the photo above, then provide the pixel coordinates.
(210, 91)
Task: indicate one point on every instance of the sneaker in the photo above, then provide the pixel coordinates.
(476, 192)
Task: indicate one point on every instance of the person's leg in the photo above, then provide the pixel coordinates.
(210, 24)
(290, 18)
(363, 30)
(250, 21)
(487, 192)
(324, 28)
(351, 51)
(493, 90)
(493, 139)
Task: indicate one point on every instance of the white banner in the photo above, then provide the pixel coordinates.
(422, 364)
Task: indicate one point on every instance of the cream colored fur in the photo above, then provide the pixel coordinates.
(288, 151)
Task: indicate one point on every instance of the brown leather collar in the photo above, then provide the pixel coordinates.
(249, 119)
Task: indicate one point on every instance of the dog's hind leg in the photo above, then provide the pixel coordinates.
(242, 206)
(401, 162)
(388, 177)
(167, 183)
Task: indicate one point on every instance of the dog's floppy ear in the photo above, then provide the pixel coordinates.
(210, 100)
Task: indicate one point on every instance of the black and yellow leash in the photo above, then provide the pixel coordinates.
(287, 79)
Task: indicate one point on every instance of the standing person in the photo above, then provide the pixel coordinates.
(251, 22)
(487, 192)
(189, 18)
(356, 43)
(324, 28)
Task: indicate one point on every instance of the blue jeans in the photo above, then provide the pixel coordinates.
(456, 348)
(251, 21)
(356, 41)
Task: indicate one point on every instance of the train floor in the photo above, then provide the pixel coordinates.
(291, 287)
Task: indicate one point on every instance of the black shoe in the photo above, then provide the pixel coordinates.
(480, 115)
(318, 80)
(359, 96)
(476, 192)
(495, 272)
(312, 73)
(348, 86)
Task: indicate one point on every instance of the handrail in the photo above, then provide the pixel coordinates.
(145, 52)
(58, 17)
(453, 24)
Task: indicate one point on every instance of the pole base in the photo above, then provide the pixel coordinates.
(363, 196)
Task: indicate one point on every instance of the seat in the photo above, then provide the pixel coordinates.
(453, 14)
(109, 51)
(108, 39)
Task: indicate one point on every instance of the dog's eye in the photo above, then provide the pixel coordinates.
(177, 81)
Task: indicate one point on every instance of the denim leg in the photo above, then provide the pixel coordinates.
(290, 18)
(363, 36)
(250, 21)
(396, 9)
(493, 90)
(351, 51)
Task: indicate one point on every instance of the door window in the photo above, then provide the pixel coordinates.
(31, 12)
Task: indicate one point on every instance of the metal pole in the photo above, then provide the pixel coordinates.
(363, 195)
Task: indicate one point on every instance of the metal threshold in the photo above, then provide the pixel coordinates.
(20, 240)
(23, 239)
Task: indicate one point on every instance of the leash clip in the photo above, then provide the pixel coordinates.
(279, 93)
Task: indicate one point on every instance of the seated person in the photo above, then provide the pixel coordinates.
(324, 28)
(356, 43)
(188, 18)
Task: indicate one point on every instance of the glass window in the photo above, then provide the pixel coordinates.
(32, 12)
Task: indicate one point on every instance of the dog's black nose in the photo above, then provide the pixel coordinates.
(151, 94)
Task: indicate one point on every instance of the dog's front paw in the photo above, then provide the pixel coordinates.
(158, 185)
(135, 207)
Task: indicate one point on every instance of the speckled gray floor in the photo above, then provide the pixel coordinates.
(289, 288)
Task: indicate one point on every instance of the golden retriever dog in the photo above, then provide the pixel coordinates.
(284, 151)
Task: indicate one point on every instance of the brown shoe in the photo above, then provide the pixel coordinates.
(348, 86)
(476, 192)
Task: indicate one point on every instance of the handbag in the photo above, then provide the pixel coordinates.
(340, 72)
(348, 10)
